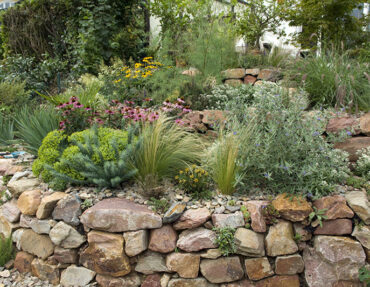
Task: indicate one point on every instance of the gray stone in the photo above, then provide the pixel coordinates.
(193, 240)
(359, 203)
(363, 235)
(17, 187)
(66, 236)
(222, 270)
(174, 212)
(11, 212)
(150, 263)
(233, 220)
(136, 242)
(68, 210)
(75, 276)
(33, 243)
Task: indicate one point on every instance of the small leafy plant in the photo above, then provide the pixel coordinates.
(246, 215)
(318, 214)
(297, 237)
(194, 180)
(159, 205)
(364, 275)
(270, 213)
(225, 240)
(6, 250)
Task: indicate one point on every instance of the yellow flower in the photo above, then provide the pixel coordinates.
(117, 81)
(181, 172)
(193, 166)
(191, 176)
(196, 180)
(137, 71)
(206, 173)
(134, 77)
(186, 169)
(138, 65)
(128, 76)
(176, 177)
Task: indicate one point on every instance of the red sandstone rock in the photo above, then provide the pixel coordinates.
(131, 280)
(23, 261)
(258, 268)
(163, 239)
(352, 145)
(185, 264)
(365, 124)
(222, 270)
(192, 218)
(153, 280)
(289, 265)
(335, 227)
(279, 281)
(193, 240)
(250, 80)
(254, 207)
(336, 207)
(347, 123)
(119, 215)
(45, 271)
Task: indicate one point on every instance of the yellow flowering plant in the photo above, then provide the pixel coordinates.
(134, 78)
(194, 180)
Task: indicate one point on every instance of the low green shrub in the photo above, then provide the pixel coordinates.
(286, 152)
(6, 250)
(84, 157)
(13, 96)
(225, 240)
(6, 130)
(194, 180)
(333, 80)
(34, 124)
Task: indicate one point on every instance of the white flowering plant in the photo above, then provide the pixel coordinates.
(362, 167)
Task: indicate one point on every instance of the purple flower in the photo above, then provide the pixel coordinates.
(349, 133)
(316, 134)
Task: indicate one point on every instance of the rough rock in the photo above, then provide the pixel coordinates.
(335, 227)
(45, 271)
(304, 234)
(75, 276)
(29, 201)
(65, 256)
(347, 123)
(213, 117)
(222, 270)
(163, 239)
(363, 235)
(253, 72)
(68, 210)
(233, 82)
(293, 209)
(198, 282)
(17, 187)
(10, 211)
(249, 80)
(258, 268)
(242, 283)
(119, 215)
(23, 261)
(153, 280)
(233, 220)
(105, 254)
(131, 280)
(254, 207)
(5, 164)
(279, 281)
(193, 240)
(48, 204)
(333, 258)
(174, 212)
(365, 124)
(211, 254)
(185, 264)
(39, 226)
(135, 242)
(359, 203)
(66, 236)
(192, 218)
(336, 207)
(352, 145)
(289, 265)
(36, 244)
(233, 73)
(150, 263)
(249, 243)
(279, 240)
(7, 228)
(269, 75)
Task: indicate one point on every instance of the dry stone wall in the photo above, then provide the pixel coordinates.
(121, 243)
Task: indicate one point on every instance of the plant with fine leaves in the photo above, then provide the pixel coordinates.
(6, 130)
(225, 240)
(6, 250)
(318, 215)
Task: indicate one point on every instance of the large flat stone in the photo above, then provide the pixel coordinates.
(233, 220)
(119, 215)
(292, 208)
(279, 281)
(17, 187)
(192, 218)
(193, 240)
(198, 282)
(185, 264)
(150, 263)
(131, 280)
(258, 268)
(222, 270)
(36, 244)
(289, 265)
(279, 240)
(336, 207)
(335, 227)
(249, 243)
(163, 239)
(75, 276)
(66, 236)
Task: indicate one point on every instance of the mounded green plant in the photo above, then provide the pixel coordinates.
(287, 152)
(164, 148)
(195, 181)
(6, 250)
(34, 125)
(12, 96)
(362, 167)
(99, 159)
(225, 240)
(333, 80)
(84, 157)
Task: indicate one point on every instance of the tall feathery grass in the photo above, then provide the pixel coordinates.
(33, 125)
(224, 157)
(162, 150)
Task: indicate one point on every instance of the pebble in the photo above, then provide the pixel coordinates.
(5, 274)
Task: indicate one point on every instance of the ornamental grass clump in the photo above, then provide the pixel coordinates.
(6, 250)
(164, 148)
